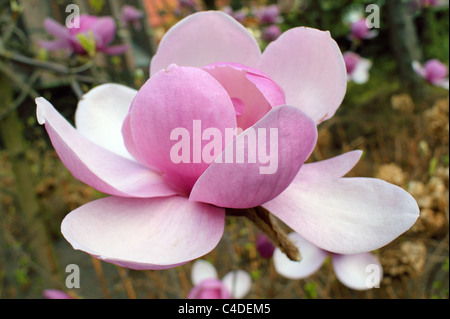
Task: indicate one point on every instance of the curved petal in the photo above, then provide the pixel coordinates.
(100, 115)
(115, 49)
(253, 89)
(156, 233)
(56, 29)
(104, 30)
(346, 215)
(205, 38)
(331, 168)
(201, 270)
(312, 259)
(359, 272)
(309, 66)
(238, 283)
(169, 118)
(211, 288)
(361, 73)
(96, 166)
(258, 172)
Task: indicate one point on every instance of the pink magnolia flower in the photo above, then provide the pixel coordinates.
(131, 15)
(434, 72)
(207, 285)
(209, 70)
(240, 15)
(264, 246)
(359, 271)
(271, 33)
(268, 14)
(56, 294)
(360, 31)
(102, 30)
(357, 67)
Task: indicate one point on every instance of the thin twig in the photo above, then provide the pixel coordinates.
(264, 220)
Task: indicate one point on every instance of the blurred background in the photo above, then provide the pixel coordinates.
(396, 110)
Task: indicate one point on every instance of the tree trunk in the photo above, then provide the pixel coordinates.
(404, 43)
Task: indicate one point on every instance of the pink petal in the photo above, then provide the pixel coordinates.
(157, 233)
(56, 45)
(56, 29)
(104, 30)
(359, 272)
(312, 259)
(308, 65)
(93, 164)
(204, 38)
(115, 49)
(249, 183)
(255, 90)
(179, 99)
(331, 168)
(210, 289)
(100, 114)
(345, 215)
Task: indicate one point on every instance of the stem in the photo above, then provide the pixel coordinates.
(262, 218)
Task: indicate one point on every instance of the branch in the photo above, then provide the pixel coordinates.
(264, 220)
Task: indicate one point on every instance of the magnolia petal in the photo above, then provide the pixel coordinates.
(312, 259)
(360, 272)
(201, 270)
(116, 49)
(204, 38)
(56, 29)
(257, 92)
(100, 115)
(174, 108)
(419, 69)
(331, 168)
(93, 164)
(55, 45)
(156, 233)
(346, 215)
(235, 183)
(238, 283)
(104, 30)
(361, 73)
(309, 66)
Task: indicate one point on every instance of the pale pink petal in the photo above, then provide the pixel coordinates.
(201, 270)
(360, 272)
(100, 115)
(308, 65)
(156, 233)
(56, 29)
(56, 294)
(56, 45)
(186, 100)
(331, 168)
(115, 49)
(95, 165)
(312, 259)
(345, 215)
(419, 69)
(236, 180)
(256, 91)
(238, 283)
(204, 38)
(361, 73)
(104, 30)
(209, 289)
